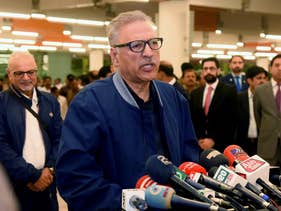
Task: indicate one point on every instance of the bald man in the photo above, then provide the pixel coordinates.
(30, 128)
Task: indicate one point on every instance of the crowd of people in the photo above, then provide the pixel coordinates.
(91, 139)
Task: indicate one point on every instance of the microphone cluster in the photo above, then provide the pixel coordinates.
(229, 181)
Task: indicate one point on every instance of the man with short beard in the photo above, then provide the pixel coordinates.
(214, 109)
(237, 77)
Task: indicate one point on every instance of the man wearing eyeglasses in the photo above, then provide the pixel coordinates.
(114, 125)
(29, 141)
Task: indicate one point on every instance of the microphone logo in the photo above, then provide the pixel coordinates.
(164, 160)
(223, 176)
(251, 164)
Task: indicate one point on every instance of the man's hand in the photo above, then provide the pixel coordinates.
(44, 181)
(206, 143)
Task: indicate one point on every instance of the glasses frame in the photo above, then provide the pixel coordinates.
(148, 42)
(20, 74)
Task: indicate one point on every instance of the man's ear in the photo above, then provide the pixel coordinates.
(114, 57)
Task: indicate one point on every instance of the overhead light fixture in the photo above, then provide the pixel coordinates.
(241, 53)
(65, 44)
(28, 42)
(76, 21)
(77, 50)
(223, 56)
(39, 48)
(196, 44)
(14, 15)
(265, 54)
(249, 57)
(240, 42)
(210, 52)
(219, 25)
(23, 33)
(98, 46)
(277, 49)
(6, 40)
(38, 15)
(263, 48)
(52, 43)
(218, 31)
(72, 44)
(262, 35)
(80, 37)
(223, 46)
(201, 56)
(272, 36)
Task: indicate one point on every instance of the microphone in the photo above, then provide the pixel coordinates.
(269, 187)
(144, 182)
(133, 200)
(211, 157)
(275, 179)
(208, 181)
(163, 197)
(191, 167)
(254, 198)
(235, 154)
(163, 171)
(226, 175)
(138, 203)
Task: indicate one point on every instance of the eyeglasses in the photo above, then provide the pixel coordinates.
(20, 74)
(138, 46)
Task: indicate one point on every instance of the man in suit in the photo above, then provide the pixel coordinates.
(166, 74)
(236, 78)
(247, 134)
(213, 109)
(267, 114)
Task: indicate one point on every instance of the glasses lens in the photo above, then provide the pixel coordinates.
(155, 43)
(20, 74)
(137, 46)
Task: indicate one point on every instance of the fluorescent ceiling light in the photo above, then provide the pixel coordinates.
(22, 33)
(76, 21)
(98, 46)
(241, 53)
(263, 48)
(240, 44)
(66, 32)
(218, 31)
(52, 43)
(101, 39)
(277, 49)
(38, 15)
(223, 56)
(80, 37)
(14, 15)
(224, 46)
(6, 28)
(5, 40)
(29, 42)
(210, 52)
(69, 44)
(249, 57)
(265, 54)
(273, 37)
(201, 56)
(196, 44)
(77, 50)
(262, 35)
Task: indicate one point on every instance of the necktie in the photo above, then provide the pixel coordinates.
(278, 98)
(208, 100)
(237, 82)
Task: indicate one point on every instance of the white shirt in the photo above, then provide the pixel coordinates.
(252, 131)
(173, 81)
(214, 86)
(34, 149)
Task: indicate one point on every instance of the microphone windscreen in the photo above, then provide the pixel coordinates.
(158, 196)
(191, 168)
(235, 153)
(211, 157)
(158, 170)
(212, 171)
(144, 182)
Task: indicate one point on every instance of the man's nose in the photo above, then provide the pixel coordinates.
(147, 51)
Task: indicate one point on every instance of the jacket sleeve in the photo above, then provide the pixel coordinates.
(80, 177)
(17, 168)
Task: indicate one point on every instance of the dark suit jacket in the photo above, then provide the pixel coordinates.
(220, 123)
(180, 88)
(229, 79)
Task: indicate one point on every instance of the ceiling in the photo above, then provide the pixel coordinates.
(240, 20)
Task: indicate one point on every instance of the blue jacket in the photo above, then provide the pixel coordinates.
(12, 135)
(102, 147)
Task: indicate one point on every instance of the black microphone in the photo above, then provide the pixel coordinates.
(269, 187)
(161, 170)
(163, 197)
(254, 198)
(275, 179)
(212, 158)
(138, 203)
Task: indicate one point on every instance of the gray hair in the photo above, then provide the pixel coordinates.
(123, 19)
(16, 56)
